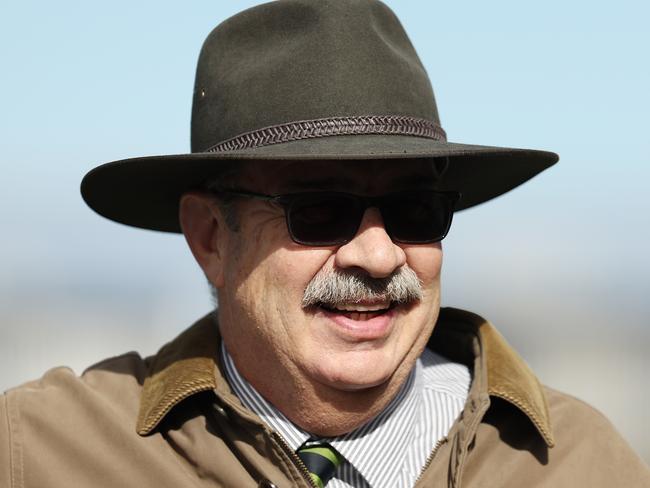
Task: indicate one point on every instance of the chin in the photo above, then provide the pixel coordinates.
(355, 375)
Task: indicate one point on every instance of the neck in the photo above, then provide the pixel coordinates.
(325, 411)
(330, 414)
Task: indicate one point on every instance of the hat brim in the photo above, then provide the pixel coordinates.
(145, 192)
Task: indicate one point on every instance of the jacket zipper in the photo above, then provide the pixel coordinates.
(430, 459)
(294, 457)
(296, 460)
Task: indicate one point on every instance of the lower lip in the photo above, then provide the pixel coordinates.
(361, 330)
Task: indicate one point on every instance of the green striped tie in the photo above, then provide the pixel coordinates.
(320, 459)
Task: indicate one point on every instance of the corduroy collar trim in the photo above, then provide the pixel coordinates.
(188, 365)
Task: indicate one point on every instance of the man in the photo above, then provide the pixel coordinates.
(319, 188)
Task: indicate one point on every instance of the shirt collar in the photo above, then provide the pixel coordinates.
(189, 365)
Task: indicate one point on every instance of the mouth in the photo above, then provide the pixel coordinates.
(359, 322)
(359, 312)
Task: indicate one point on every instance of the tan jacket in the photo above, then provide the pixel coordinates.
(172, 421)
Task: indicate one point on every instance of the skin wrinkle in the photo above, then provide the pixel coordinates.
(320, 380)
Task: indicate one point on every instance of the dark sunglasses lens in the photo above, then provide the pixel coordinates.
(322, 219)
(418, 217)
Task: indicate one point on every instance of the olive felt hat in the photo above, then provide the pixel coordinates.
(306, 80)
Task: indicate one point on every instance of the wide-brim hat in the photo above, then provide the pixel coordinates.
(306, 80)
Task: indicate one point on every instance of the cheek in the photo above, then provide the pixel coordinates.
(271, 299)
(276, 282)
(426, 261)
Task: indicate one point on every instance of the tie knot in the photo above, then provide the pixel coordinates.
(320, 459)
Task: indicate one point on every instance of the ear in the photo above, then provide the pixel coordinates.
(205, 233)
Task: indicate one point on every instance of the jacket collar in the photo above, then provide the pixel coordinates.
(180, 369)
(468, 338)
(188, 365)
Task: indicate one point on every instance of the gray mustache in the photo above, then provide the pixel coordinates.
(335, 287)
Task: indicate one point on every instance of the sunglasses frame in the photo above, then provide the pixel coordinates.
(287, 200)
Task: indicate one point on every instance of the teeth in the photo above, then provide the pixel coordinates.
(360, 311)
(358, 307)
(361, 315)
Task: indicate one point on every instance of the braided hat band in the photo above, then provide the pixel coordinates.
(333, 126)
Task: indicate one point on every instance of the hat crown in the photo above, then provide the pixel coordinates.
(294, 60)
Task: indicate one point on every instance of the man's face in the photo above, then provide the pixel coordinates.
(271, 336)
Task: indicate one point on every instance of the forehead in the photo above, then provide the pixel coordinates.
(366, 176)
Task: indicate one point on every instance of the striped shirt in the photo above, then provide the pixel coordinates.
(392, 449)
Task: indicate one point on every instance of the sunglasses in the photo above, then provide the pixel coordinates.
(330, 218)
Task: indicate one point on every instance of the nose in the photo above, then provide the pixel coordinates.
(371, 249)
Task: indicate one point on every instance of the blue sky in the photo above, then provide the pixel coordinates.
(560, 261)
